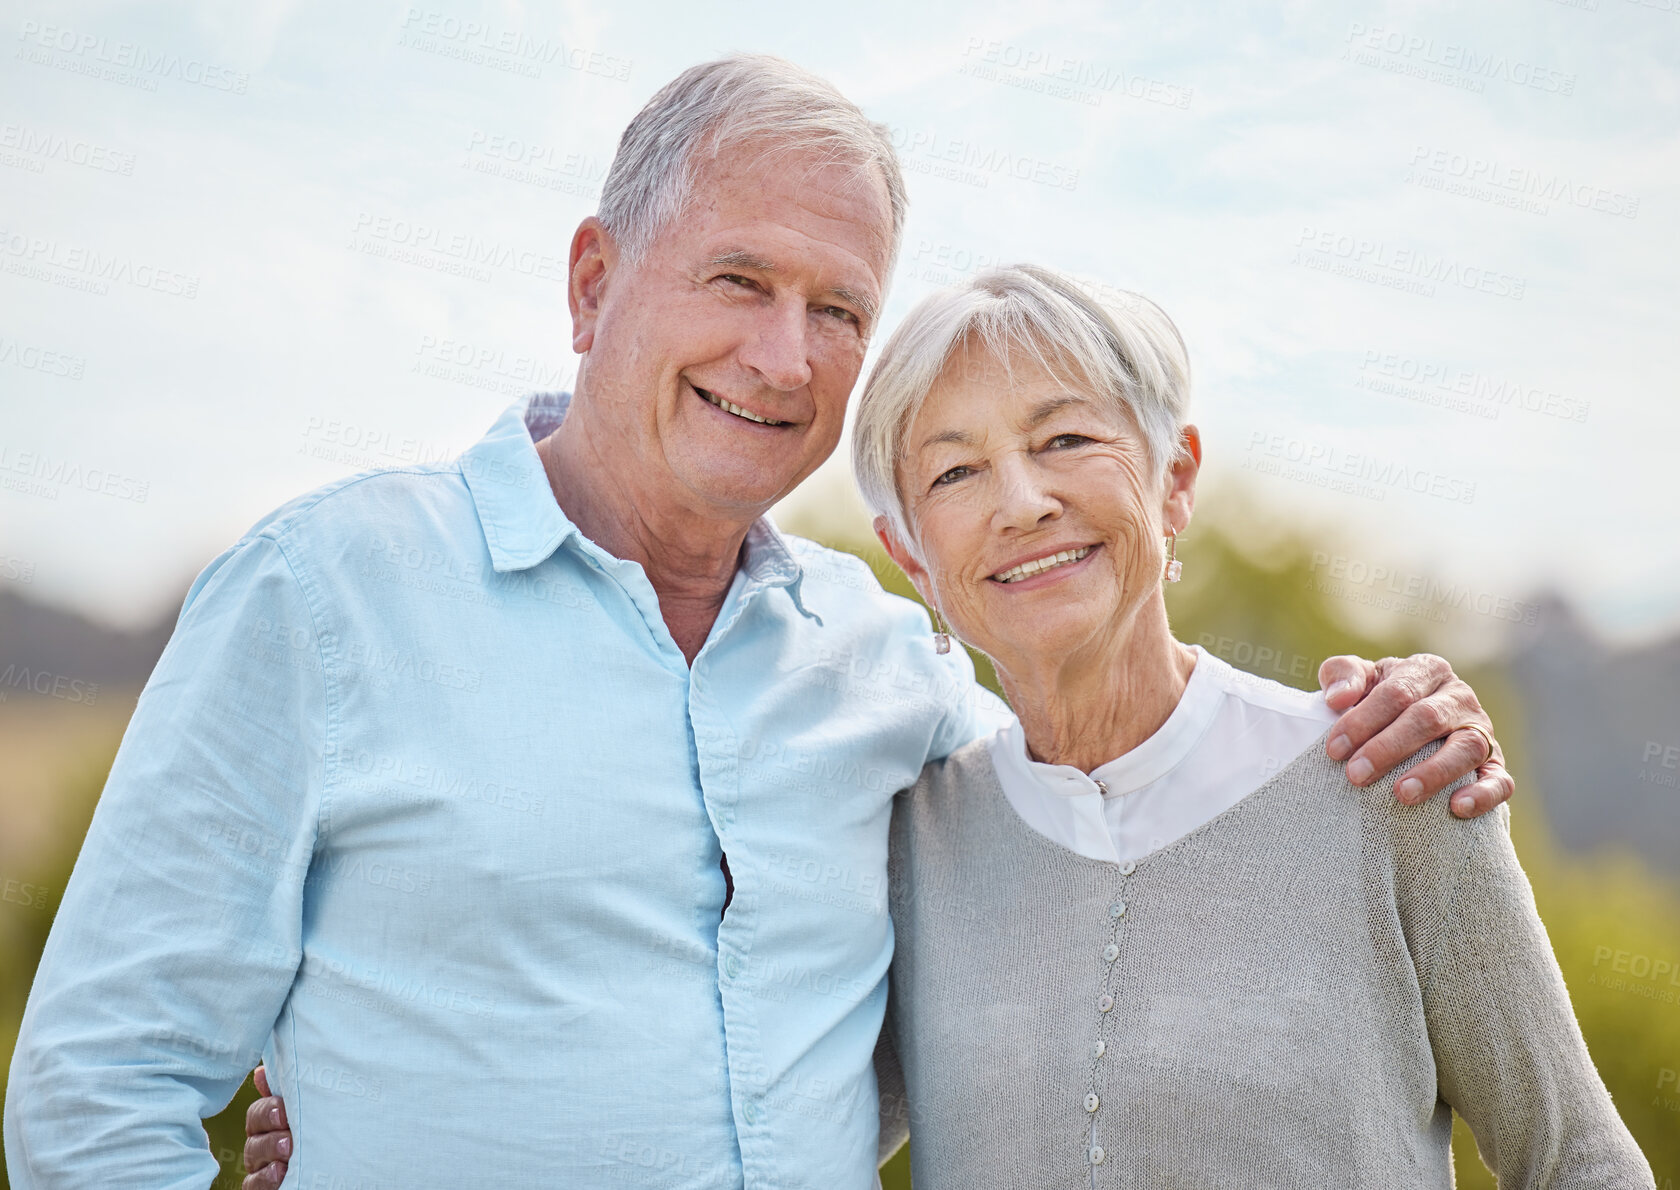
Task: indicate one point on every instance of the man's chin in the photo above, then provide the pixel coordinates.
(746, 493)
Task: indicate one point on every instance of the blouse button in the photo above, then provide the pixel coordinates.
(1092, 1102)
(1111, 952)
(1105, 1003)
(1099, 1049)
(1097, 1155)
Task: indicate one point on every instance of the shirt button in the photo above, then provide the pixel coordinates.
(1099, 1049)
(1110, 952)
(1117, 910)
(732, 965)
(1105, 1002)
(1127, 868)
(1097, 1155)
(749, 1113)
(1092, 1102)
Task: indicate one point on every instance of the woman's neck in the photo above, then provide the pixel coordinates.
(1106, 699)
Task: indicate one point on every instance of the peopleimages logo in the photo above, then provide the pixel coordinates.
(986, 161)
(1375, 259)
(1514, 184)
(504, 49)
(145, 64)
(1439, 61)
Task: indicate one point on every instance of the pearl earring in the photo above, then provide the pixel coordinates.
(941, 638)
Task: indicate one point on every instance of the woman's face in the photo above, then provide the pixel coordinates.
(1039, 526)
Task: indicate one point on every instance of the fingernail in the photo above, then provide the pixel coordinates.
(1338, 688)
(285, 1146)
(1463, 805)
(274, 1116)
(1409, 790)
(1359, 771)
(1340, 747)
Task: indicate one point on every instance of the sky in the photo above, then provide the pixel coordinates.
(1423, 255)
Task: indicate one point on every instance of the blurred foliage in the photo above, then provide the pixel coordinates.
(1248, 596)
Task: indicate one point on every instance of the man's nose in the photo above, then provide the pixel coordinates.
(1025, 500)
(777, 350)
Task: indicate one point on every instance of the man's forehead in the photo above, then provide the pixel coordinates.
(794, 186)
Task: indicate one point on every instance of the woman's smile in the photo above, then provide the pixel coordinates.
(1043, 568)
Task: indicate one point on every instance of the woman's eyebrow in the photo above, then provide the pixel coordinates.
(960, 437)
(1041, 414)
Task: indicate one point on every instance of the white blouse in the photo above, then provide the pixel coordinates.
(1229, 734)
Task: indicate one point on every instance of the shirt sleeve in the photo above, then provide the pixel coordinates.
(180, 929)
(1509, 1055)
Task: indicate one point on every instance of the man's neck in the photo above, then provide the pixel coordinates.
(689, 557)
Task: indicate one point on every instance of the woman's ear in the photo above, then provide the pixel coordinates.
(906, 560)
(1181, 481)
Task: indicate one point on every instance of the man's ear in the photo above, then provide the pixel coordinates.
(1181, 481)
(900, 553)
(594, 256)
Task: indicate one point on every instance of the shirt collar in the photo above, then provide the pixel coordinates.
(1151, 760)
(523, 523)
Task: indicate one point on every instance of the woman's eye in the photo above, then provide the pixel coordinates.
(950, 477)
(1061, 441)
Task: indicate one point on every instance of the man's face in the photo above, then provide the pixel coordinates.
(756, 303)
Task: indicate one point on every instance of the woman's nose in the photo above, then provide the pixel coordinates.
(1025, 500)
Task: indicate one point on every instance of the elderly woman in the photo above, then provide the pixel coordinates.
(1150, 935)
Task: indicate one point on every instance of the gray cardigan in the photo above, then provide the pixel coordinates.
(1296, 994)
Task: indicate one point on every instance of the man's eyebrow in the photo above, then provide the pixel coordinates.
(1054, 405)
(741, 258)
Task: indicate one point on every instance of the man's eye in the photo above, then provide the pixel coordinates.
(1062, 441)
(843, 314)
(736, 279)
(950, 477)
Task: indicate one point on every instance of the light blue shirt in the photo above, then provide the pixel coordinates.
(424, 806)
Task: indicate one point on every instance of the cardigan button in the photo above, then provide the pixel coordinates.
(1097, 1155)
(1092, 1102)
(1099, 1049)
(1105, 1003)
(1110, 952)
(1127, 868)
(1117, 910)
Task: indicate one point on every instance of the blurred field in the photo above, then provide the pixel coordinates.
(1613, 921)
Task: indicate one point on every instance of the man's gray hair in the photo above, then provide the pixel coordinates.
(1127, 352)
(731, 101)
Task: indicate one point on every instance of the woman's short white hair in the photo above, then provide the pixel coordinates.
(1127, 352)
(731, 101)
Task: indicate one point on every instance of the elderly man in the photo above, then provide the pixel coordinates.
(529, 814)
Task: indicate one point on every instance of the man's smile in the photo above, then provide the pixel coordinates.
(730, 407)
